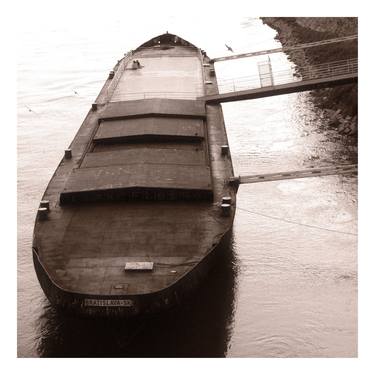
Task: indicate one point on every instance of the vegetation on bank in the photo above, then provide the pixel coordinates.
(340, 103)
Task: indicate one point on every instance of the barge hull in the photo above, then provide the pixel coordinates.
(145, 182)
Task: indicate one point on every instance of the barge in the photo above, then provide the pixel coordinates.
(141, 202)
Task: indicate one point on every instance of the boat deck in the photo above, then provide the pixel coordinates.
(144, 147)
(163, 73)
(101, 238)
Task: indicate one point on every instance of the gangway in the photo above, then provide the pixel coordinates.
(310, 172)
(287, 81)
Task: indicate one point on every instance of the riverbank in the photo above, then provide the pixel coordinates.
(338, 104)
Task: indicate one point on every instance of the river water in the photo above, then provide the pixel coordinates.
(287, 287)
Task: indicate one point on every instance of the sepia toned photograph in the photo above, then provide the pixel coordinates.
(187, 185)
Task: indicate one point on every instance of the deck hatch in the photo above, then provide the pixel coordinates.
(144, 155)
(155, 107)
(145, 129)
(138, 182)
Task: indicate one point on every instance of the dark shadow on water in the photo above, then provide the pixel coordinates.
(200, 327)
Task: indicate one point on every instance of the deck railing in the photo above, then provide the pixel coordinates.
(157, 94)
(118, 71)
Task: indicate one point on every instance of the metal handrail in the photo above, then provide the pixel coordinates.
(118, 73)
(353, 62)
(286, 48)
(304, 73)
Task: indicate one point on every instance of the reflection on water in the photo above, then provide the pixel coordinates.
(200, 327)
(285, 288)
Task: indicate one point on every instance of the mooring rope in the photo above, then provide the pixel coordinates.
(297, 223)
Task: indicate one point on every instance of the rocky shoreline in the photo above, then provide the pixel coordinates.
(339, 104)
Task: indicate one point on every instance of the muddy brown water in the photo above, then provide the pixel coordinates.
(287, 285)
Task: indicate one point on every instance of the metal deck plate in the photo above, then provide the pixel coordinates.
(139, 266)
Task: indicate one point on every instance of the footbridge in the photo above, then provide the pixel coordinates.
(270, 83)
